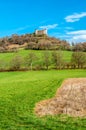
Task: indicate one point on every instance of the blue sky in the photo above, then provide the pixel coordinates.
(64, 19)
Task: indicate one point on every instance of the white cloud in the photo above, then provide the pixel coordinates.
(71, 36)
(64, 36)
(80, 37)
(77, 36)
(79, 32)
(75, 17)
(48, 27)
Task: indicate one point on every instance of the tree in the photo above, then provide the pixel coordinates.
(78, 59)
(16, 62)
(30, 59)
(57, 59)
(46, 59)
(78, 47)
(3, 64)
(84, 46)
(64, 45)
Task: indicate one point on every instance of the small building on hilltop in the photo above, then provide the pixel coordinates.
(41, 32)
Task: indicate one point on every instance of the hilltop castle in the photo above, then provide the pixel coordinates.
(41, 32)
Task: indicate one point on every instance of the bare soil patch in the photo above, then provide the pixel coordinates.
(70, 99)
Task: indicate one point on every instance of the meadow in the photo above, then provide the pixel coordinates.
(23, 53)
(20, 91)
(7, 60)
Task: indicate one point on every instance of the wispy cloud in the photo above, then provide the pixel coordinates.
(19, 29)
(75, 17)
(80, 37)
(69, 28)
(77, 36)
(72, 36)
(79, 32)
(48, 27)
(13, 31)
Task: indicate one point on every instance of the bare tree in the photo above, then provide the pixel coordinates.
(46, 59)
(79, 59)
(30, 59)
(16, 62)
(57, 58)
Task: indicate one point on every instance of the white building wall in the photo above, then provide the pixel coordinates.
(40, 32)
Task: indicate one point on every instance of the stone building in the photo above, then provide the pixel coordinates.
(41, 32)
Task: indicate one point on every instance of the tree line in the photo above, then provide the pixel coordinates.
(48, 60)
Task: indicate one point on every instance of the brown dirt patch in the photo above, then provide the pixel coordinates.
(11, 46)
(70, 99)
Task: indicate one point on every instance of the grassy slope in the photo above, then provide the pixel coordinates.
(5, 58)
(23, 53)
(19, 91)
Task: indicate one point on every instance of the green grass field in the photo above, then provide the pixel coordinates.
(20, 91)
(6, 59)
(23, 53)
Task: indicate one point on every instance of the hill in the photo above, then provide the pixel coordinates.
(32, 41)
(37, 42)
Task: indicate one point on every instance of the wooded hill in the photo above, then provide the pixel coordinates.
(37, 42)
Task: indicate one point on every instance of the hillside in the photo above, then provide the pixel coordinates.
(32, 41)
(37, 42)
